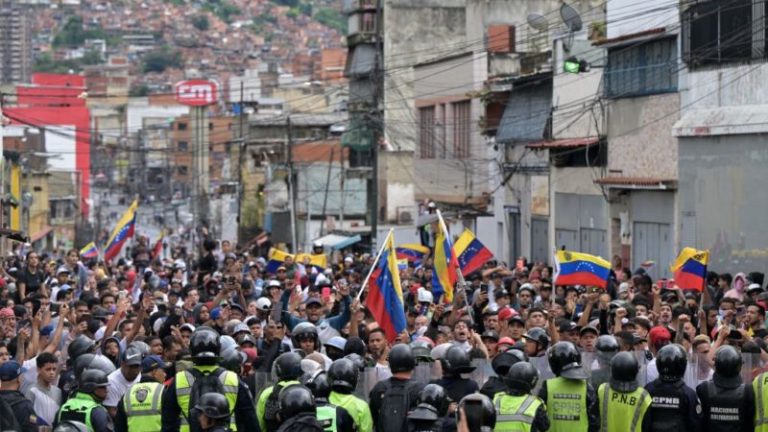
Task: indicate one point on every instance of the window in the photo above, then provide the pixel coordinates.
(462, 128)
(182, 170)
(642, 69)
(182, 126)
(427, 132)
(719, 32)
(183, 146)
(368, 23)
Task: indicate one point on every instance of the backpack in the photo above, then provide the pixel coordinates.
(204, 382)
(395, 404)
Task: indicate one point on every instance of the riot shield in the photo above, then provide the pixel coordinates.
(642, 372)
(542, 365)
(751, 367)
(422, 373)
(262, 381)
(482, 372)
(699, 370)
(598, 367)
(367, 379)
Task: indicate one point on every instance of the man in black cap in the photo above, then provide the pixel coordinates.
(568, 331)
(490, 338)
(10, 375)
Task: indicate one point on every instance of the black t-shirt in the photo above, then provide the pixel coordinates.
(31, 280)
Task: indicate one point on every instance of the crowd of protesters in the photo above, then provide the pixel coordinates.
(222, 343)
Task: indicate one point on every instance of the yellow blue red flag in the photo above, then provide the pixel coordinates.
(690, 269)
(385, 295)
(576, 268)
(124, 230)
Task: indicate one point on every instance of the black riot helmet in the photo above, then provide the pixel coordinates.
(93, 361)
(502, 362)
(538, 335)
(727, 367)
(606, 346)
(215, 406)
(317, 382)
(305, 331)
(296, 399)
(233, 360)
(91, 379)
(343, 376)
(624, 368)
(287, 366)
(204, 345)
(435, 396)
(521, 378)
(481, 415)
(565, 361)
(81, 345)
(401, 359)
(357, 360)
(671, 362)
(456, 361)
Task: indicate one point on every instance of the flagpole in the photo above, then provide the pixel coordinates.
(459, 275)
(373, 267)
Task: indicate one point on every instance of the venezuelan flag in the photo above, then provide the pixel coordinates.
(412, 252)
(89, 251)
(385, 295)
(276, 258)
(471, 253)
(446, 267)
(690, 269)
(123, 231)
(319, 261)
(576, 268)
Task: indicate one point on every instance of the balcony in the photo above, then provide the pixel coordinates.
(351, 6)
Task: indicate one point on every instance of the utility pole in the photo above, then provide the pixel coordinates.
(378, 129)
(291, 183)
(240, 159)
(325, 199)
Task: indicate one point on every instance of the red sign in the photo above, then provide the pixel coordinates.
(197, 92)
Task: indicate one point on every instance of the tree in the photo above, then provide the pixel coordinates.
(162, 59)
(92, 57)
(139, 90)
(331, 18)
(201, 22)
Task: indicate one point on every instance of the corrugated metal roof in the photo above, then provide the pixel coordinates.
(526, 114)
(299, 119)
(565, 143)
(622, 182)
(728, 120)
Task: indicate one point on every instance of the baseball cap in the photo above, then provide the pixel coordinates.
(659, 334)
(490, 334)
(215, 313)
(187, 326)
(11, 370)
(505, 313)
(506, 341)
(589, 328)
(132, 357)
(567, 326)
(47, 330)
(312, 301)
(623, 287)
(263, 304)
(7, 313)
(151, 363)
(61, 270)
(240, 328)
(274, 283)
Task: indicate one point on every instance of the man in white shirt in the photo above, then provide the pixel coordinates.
(122, 379)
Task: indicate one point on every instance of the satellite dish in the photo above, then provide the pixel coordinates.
(571, 17)
(538, 21)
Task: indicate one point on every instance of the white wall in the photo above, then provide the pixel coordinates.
(631, 16)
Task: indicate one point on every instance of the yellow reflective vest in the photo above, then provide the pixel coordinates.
(622, 412)
(143, 408)
(185, 380)
(515, 413)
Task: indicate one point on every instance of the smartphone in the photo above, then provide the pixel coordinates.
(122, 294)
(326, 293)
(663, 284)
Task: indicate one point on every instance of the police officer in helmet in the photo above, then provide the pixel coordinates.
(213, 413)
(429, 414)
(298, 410)
(182, 394)
(606, 347)
(287, 369)
(139, 410)
(518, 409)
(454, 363)
(571, 401)
(85, 406)
(343, 375)
(393, 398)
(501, 364)
(475, 413)
(675, 406)
(624, 405)
(331, 417)
(727, 404)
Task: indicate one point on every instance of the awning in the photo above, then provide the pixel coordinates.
(526, 114)
(728, 120)
(336, 241)
(40, 234)
(645, 183)
(564, 143)
(361, 61)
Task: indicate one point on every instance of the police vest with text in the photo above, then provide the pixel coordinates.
(567, 405)
(142, 407)
(622, 412)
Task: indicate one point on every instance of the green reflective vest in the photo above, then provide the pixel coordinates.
(622, 412)
(78, 409)
(261, 403)
(326, 415)
(760, 386)
(567, 405)
(185, 380)
(142, 406)
(357, 409)
(515, 413)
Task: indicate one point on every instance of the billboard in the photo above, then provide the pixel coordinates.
(197, 92)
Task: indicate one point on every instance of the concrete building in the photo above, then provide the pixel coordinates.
(15, 43)
(722, 135)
